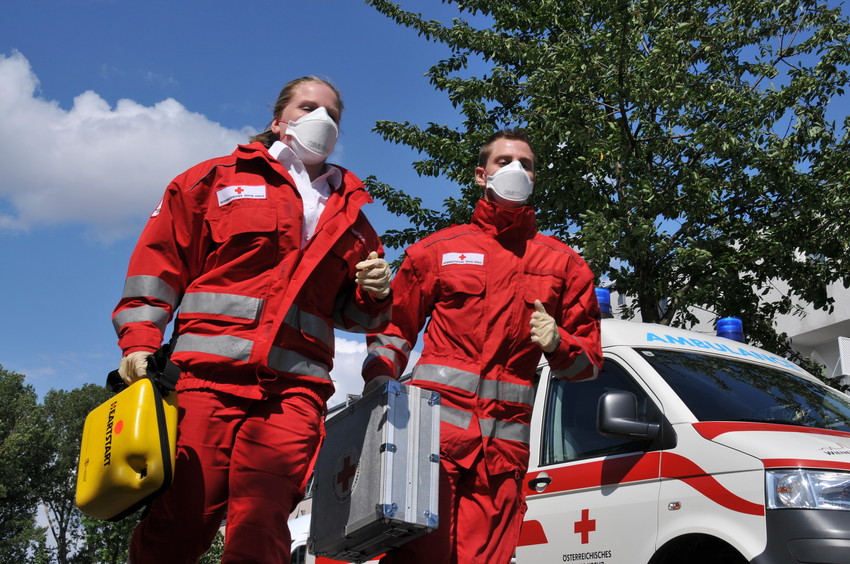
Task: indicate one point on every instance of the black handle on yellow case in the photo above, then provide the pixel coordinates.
(114, 382)
(161, 370)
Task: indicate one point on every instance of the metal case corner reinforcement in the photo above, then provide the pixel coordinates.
(377, 474)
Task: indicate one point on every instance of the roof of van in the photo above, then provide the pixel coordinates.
(618, 332)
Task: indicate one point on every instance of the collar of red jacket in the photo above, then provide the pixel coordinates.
(350, 182)
(517, 224)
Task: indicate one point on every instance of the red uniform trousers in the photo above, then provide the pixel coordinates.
(247, 458)
(480, 518)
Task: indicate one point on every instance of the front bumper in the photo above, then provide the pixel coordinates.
(798, 536)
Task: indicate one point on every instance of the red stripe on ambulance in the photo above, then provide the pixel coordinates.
(532, 533)
(798, 463)
(619, 470)
(639, 468)
(680, 468)
(713, 429)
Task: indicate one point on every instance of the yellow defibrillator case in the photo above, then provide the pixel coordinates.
(127, 451)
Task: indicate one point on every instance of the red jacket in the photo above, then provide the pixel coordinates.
(256, 312)
(478, 284)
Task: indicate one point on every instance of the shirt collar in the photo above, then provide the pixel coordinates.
(287, 157)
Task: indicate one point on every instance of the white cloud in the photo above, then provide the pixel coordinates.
(102, 166)
(348, 360)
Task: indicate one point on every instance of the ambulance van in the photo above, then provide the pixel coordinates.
(688, 449)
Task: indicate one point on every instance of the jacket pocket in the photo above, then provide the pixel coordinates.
(463, 291)
(242, 220)
(544, 287)
(460, 284)
(245, 242)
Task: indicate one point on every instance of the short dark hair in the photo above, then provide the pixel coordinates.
(517, 134)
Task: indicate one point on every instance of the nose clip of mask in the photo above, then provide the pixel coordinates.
(511, 183)
(314, 136)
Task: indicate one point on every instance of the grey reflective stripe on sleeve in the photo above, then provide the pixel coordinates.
(446, 376)
(313, 325)
(231, 305)
(388, 340)
(363, 322)
(578, 366)
(505, 430)
(506, 391)
(221, 345)
(149, 287)
(455, 416)
(285, 360)
(155, 315)
(376, 351)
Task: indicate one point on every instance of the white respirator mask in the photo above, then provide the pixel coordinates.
(511, 184)
(313, 136)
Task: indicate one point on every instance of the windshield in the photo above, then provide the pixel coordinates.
(723, 389)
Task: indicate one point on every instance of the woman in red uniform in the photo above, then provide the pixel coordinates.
(261, 254)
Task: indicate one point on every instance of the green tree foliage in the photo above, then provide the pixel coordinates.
(214, 554)
(65, 413)
(690, 150)
(24, 452)
(107, 542)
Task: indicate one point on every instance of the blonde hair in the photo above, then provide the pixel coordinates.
(268, 137)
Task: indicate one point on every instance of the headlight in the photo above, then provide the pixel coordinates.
(808, 489)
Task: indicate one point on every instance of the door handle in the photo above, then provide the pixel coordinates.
(539, 483)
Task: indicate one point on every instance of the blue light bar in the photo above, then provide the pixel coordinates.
(731, 328)
(603, 296)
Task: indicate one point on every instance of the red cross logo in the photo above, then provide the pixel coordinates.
(462, 256)
(347, 473)
(239, 190)
(585, 526)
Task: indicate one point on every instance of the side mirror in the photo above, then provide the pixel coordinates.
(617, 417)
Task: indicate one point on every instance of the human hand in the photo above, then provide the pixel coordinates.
(134, 366)
(544, 330)
(376, 382)
(373, 275)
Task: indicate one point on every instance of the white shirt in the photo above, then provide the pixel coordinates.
(315, 194)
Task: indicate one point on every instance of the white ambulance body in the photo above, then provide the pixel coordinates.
(713, 452)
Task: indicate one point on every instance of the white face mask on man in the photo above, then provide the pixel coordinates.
(511, 184)
(313, 136)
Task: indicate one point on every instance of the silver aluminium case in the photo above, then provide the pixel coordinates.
(377, 474)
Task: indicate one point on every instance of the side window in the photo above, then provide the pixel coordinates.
(569, 422)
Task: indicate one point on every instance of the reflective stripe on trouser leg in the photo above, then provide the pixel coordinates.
(273, 454)
(183, 521)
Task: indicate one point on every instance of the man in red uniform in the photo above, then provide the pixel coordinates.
(498, 295)
(265, 252)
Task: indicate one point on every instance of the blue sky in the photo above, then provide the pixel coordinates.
(103, 102)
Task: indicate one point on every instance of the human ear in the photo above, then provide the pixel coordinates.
(480, 176)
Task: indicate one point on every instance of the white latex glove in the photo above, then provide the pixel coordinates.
(134, 366)
(373, 275)
(544, 330)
